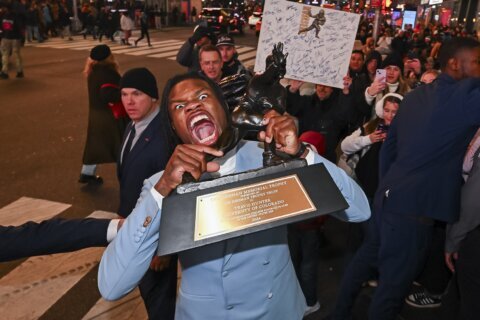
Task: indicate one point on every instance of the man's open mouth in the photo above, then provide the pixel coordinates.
(203, 129)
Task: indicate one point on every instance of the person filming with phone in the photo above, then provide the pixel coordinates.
(367, 140)
(388, 80)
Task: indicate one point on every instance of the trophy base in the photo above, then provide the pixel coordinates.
(201, 213)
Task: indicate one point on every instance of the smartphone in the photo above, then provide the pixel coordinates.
(381, 73)
(382, 127)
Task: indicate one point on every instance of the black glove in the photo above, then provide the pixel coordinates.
(199, 33)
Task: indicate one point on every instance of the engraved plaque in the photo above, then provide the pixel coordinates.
(283, 194)
(255, 204)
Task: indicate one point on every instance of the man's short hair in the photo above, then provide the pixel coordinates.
(360, 52)
(208, 48)
(451, 47)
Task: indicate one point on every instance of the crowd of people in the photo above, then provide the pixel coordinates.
(27, 21)
(393, 139)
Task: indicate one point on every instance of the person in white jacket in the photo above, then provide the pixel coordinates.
(127, 25)
(366, 141)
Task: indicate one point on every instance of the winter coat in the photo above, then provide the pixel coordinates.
(104, 135)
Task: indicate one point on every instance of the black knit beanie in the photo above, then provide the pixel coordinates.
(393, 60)
(100, 52)
(141, 79)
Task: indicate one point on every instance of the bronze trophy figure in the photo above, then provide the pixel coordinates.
(264, 93)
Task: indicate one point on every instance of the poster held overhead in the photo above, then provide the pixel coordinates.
(319, 40)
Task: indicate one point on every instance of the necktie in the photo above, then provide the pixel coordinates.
(128, 145)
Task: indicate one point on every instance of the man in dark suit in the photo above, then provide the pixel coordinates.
(420, 180)
(55, 236)
(144, 152)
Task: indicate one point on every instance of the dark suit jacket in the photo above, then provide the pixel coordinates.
(51, 236)
(421, 159)
(148, 156)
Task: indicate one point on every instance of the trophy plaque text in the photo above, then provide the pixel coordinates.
(231, 206)
(239, 208)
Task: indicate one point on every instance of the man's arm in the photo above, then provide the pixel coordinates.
(52, 236)
(185, 54)
(128, 256)
(469, 211)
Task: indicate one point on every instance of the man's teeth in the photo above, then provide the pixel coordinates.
(207, 138)
(197, 118)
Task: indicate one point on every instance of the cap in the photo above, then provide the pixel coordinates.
(225, 40)
(141, 79)
(100, 52)
(314, 138)
(393, 60)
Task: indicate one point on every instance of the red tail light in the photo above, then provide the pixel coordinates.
(220, 19)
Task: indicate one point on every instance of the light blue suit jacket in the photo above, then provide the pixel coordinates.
(249, 277)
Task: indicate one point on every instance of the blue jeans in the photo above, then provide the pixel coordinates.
(396, 245)
(33, 31)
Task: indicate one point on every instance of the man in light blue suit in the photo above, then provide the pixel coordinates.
(249, 277)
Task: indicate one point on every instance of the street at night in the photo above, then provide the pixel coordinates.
(44, 114)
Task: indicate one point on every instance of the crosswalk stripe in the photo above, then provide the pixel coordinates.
(167, 49)
(244, 49)
(145, 47)
(88, 48)
(147, 51)
(247, 55)
(30, 209)
(129, 307)
(42, 280)
(72, 45)
(171, 54)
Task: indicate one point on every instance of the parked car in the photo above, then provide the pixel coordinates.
(253, 19)
(216, 18)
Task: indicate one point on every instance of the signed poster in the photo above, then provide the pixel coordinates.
(319, 41)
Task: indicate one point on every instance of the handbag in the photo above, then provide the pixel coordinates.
(112, 92)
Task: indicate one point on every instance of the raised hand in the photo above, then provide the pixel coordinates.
(186, 158)
(283, 130)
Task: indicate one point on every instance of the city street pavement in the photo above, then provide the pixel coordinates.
(44, 119)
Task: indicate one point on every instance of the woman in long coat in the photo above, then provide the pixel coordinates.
(107, 118)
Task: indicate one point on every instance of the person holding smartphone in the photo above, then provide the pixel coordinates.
(367, 140)
(389, 81)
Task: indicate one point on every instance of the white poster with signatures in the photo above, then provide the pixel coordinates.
(319, 41)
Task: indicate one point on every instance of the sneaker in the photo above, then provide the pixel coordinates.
(312, 309)
(423, 299)
(92, 180)
(20, 75)
(3, 75)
